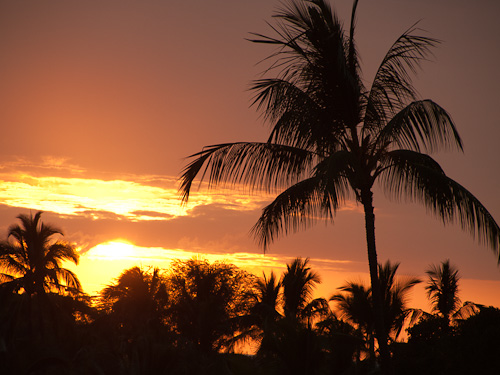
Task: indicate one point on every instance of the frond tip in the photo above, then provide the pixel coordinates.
(256, 165)
(420, 178)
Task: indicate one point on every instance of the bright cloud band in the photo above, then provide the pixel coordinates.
(125, 199)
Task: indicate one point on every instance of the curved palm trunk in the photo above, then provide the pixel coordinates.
(378, 308)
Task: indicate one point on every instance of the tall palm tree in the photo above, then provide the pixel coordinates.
(333, 138)
(31, 261)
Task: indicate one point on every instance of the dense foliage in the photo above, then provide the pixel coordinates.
(190, 318)
(198, 317)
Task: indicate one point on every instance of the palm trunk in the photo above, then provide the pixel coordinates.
(378, 307)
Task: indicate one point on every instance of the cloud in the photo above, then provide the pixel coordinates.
(145, 215)
(100, 215)
(52, 165)
(129, 197)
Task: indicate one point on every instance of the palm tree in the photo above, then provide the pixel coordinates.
(355, 304)
(41, 299)
(290, 338)
(258, 327)
(137, 300)
(265, 300)
(333, 138)
(267, 297)
(32, 261)
(298, 283)
(442, 289)
(395, 296)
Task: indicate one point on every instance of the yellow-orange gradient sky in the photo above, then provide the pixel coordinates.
(101, 101)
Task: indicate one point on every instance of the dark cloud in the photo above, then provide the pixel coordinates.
(100, 215)
(152, 214)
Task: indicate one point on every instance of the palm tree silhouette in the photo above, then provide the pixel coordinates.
(265, 300)
(39, 297)
(333, 138)
(32, 261)
(442, 290)
(298, 283)
(137, 300)
(266, 297)
(355, 304)
(287, 335)
(395, 296)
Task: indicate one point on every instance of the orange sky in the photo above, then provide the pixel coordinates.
(101, 101)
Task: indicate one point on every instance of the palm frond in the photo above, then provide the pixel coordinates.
(50, 279)
(46, 231)
(256, 165)
(392, 86)
(299, 206)
(421, 126)
(316, 307)
(5, 278)
(61, 251)
(276, 96)
(316, 58)
(69, 278)
(467, 310)
(12, 259)
(420, 178)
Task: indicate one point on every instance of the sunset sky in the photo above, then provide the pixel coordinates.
(102, 101)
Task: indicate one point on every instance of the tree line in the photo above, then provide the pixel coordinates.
(199, 317)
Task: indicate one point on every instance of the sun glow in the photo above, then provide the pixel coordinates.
(103, 263)
(113, 250)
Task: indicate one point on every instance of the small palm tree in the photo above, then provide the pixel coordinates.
(290, 338)
(31, 261)
(267, 297)
(41, 298)
(355, 304)
(395, 296)
(264, 313)
(333, 138)
(442, 289)
(298, 283)
(136, 300)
